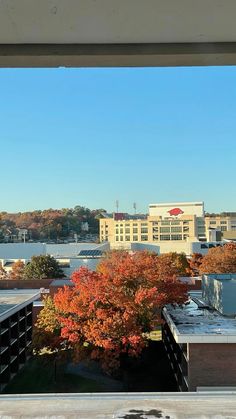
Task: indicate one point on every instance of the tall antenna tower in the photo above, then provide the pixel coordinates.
(135, 207)
(117, 205)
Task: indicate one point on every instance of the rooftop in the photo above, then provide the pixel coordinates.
(61, 283)
(121, 405)
(196, 322)
(13, 300)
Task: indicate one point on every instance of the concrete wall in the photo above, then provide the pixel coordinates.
(212, 365)
(219, 291)
(24, 284)
(21, 250)
(189, 208)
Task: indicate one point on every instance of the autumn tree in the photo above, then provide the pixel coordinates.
(17, 271)
(47, 330)
(42, 267)
(3, 273)
(195, 263)
(173, 264)
(219, 260)
(111, 311)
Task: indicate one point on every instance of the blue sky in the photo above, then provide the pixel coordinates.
(91, 136)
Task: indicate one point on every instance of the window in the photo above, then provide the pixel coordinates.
(117, 238)
(127, 225)
(223, 222)
(165, 223)
(175, 223)
(155, 223)
(121, 231)
(176, 237)
(127, 230)
(212, 222)
(223, 228)
(164, 229)
(155, 237)
(144, 230)
(117, 231)
(186, 228)
(135, 230)
(155, 229)
(135, 238)
(127, 238)
(135, 224)
(186, 222)
(144, 224)
(176, 229)
(144, 238)
(121, 238)
(164, 237)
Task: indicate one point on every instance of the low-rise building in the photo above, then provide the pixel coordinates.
(16, 307)
(200, 336)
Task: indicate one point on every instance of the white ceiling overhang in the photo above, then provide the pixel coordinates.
(117, 32)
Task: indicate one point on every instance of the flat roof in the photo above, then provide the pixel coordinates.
(120, 405)
(195, 322)
(61, 282)
(167, 204)
(13, 300)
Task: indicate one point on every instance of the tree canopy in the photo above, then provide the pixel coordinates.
(18, 269)
(51, 223)
(109, 313)
(42, 267)
(219, 260)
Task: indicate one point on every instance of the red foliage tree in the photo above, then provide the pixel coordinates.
(220, 260)
(110, 311)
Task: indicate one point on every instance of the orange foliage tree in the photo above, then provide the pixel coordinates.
(221, 259)
(111, 311)
(195, 263)
(17, 271)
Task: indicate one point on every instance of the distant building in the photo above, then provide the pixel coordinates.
(200, 336)
(174, 226)
(224, 222)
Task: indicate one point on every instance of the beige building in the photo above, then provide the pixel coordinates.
(165, 222)
(224, 222)
(171, 226)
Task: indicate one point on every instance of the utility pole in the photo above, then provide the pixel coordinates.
(117, 205)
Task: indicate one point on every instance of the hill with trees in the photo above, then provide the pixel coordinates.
(50, 224)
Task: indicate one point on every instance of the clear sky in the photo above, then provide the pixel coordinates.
(90, 136)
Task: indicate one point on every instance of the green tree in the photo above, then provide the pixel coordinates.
(42, 267)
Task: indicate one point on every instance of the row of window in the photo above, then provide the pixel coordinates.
(144, 230)
(162, 237)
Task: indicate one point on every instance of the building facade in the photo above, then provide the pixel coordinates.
(16, 307)
(172, 226)
(200, 336)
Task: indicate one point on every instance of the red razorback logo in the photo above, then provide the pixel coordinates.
(175, 211)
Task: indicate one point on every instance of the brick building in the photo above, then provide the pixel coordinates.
(200, 337)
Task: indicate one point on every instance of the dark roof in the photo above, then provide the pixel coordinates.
(90, 253)
(9, 263)
(61, 283)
